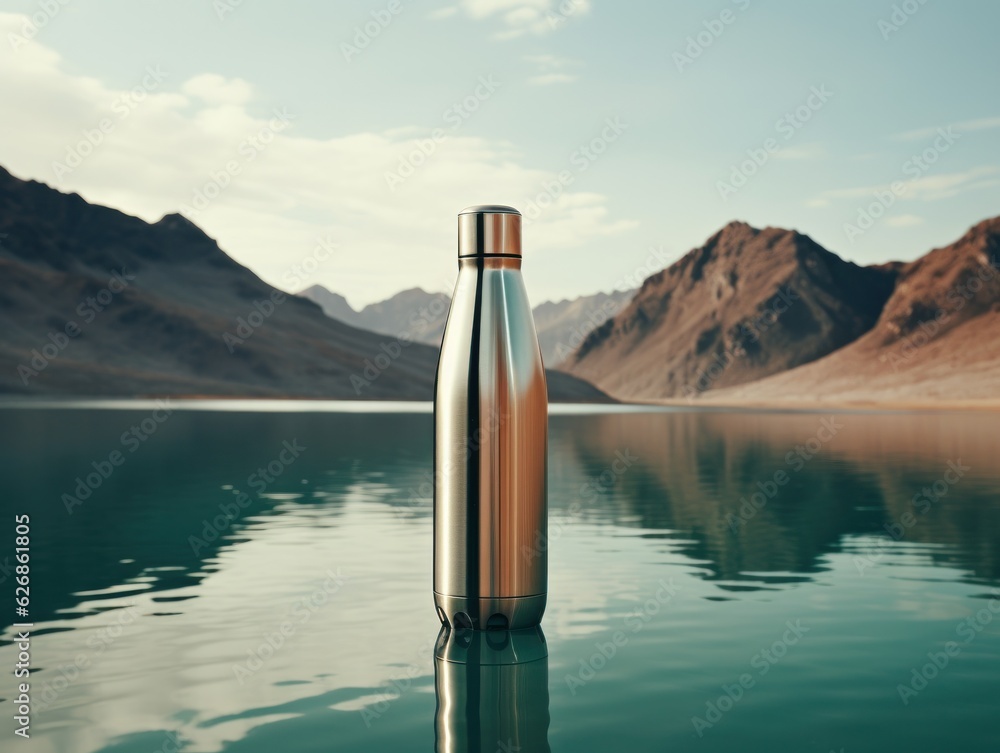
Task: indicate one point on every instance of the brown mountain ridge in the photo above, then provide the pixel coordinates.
(95, 302)
(937, 338)
(746, 305)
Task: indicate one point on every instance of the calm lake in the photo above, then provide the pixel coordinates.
(256, 577)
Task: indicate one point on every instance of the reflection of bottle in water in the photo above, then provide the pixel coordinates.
(490, 435)
(492, 691)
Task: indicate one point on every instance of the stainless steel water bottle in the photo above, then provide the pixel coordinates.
(490, 437)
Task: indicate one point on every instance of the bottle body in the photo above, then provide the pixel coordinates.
(490, 442)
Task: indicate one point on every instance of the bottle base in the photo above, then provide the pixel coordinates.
(499, 613)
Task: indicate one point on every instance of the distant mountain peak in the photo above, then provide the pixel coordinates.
(746, 304)
(936, 336)
(413, 291)
(317, 288)
(180, 225)
(734, 230)
(172, 219)
(334, 305)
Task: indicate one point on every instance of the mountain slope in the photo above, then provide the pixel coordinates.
(563, 325)
(938, 336)
(415, 312)
(421, 315)
(333, 304)
(748, 304)
(95, 302)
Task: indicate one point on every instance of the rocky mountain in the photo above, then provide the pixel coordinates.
(938, 337)
(948, 287)
(333, 304)
(746, 305)
(419, 314)
(96, 302)
(561, 326)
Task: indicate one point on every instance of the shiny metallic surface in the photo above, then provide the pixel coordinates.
(492, 691)
(489, 209)
(489, 230)
(490, 441)
(492, 647)
(519, 612)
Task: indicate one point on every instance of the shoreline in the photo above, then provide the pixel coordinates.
(796, 405)
(818, 406)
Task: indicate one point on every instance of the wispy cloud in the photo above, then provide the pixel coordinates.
(213, 89)
(926, 188)
(904, 220)
(546, 79)
(520, 17)
(934, 187)
(979, 124)
(552, 69)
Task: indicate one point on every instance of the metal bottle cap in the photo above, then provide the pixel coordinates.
(489, 230)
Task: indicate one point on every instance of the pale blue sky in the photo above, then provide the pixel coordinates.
(657, 183)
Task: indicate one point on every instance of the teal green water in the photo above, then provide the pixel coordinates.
(853, 604)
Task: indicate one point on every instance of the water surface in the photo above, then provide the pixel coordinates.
(258, 579)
